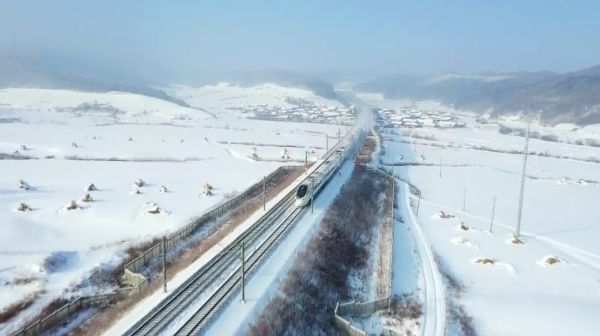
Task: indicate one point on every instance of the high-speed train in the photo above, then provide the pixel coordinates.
(303, 195)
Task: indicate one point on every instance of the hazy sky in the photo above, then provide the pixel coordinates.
(189, 38)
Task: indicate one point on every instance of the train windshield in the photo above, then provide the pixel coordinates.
(302, 190)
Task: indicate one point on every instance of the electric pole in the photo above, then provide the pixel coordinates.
(312, 195)
(264, 193)
(493, 210)
(440, 166)
(326, 142)
(520, 211)
(243, 274)
(305, 161)
(164, 263)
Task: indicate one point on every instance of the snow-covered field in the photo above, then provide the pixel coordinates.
(520, 293)
(60, 141)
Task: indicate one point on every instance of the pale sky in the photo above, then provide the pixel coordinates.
(191, 38)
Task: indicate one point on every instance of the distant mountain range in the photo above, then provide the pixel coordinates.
(569, 97)
(286, 78)
(52, 73)
(58, 73)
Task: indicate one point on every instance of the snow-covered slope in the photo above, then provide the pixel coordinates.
(221, 97)
(60, 141)
(519, 293)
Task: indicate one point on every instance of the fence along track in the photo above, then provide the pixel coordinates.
(208, 308)
(185, 294)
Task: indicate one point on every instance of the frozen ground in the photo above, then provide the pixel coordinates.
(72, 139)
(519, 293)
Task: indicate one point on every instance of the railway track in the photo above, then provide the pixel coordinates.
(258, 240)
(186, 294)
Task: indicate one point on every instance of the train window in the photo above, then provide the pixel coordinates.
(302, 190)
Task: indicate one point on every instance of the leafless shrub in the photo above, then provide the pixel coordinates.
(154, 210)
(24, 185)
(87, 198)
(72, 206)
(24, 207)
(139, 183)
(458, 316)
(517, 240)
(446, 215)
(318, 279)
(91, 187)
(551, 260)
(406, 307)
(17, 307)
(463, 320)
(484, 260)
(20, 281)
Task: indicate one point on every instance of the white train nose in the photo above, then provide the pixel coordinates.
(302, 195)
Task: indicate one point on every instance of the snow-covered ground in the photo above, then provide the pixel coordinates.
(69, 139)
(520, 293)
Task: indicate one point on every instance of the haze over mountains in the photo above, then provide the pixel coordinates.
(58, 73)
(569, 97)
(572, 97)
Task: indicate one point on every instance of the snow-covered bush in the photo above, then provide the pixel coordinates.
(90, 187)
(484, 260)
(163, 189)
(87, 198)
(155, 210)
(74, 145)
(444, 215)
(139, 183)
(517, 240)
(207, 189)
(284, 154)
(24, 185)
(24, 207)
(72, 206)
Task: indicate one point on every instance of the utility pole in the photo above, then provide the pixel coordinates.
(305, 161)
(264, 193)
(312, 195)
(326, 142)
(493, 210)
(340, 163)
(520, 211)
(243, 274)
(418, 204)
(164, 263)
(440, 166)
